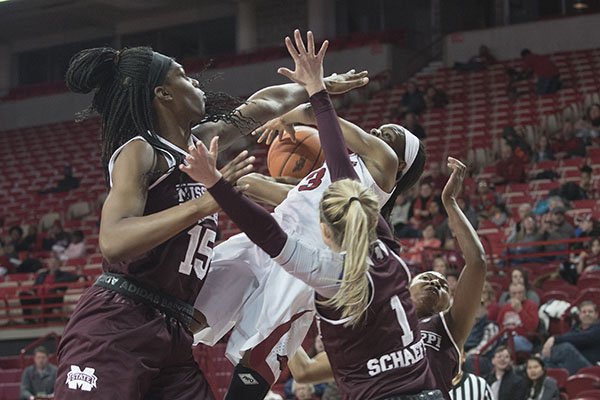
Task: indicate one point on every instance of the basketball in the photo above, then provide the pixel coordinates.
(286, 158)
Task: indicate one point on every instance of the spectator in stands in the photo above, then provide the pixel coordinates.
(519, 276)
(428, 241)
(400, 220)
(484, 199)
(435, 177)
(505, 383)
(412, 100)
(527, 232)
(539, 386)
(589, 261)
(521, 315)
(45, 289)
(586, 227)
(566, 144)
(509, 168)
(499, 215)
(547, 74)
(515, 138)
(437, 217)
(411, 122)
(439, 264)
(303, 391)
(478, 62)
(483, 330)
(556, 227)
(587, 183)
(435, 98)
(453, 257)
(75, 249)
(452, 279)
(419, 208)
(489, 300)
(38, 379)
(67, 183)
(16, 239)
(273, 396)
(543, 152)
(55, 236)
(588, 128)
(524, 210)
(578, 348)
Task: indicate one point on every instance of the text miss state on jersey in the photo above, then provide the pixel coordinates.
(398, 359)
(186, 191)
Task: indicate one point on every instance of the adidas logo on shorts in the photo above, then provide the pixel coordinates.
(248, 379)
(84, 380)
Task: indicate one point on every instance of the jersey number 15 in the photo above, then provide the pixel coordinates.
(199, 252)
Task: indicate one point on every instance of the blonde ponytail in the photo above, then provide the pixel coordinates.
(350, 210)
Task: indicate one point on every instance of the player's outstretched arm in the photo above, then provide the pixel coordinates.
(310, 370)
(467, 295)
(125, 232)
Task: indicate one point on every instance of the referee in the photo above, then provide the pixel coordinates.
(471, 387)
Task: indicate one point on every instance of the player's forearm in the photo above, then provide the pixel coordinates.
(331, 137)
(131, 237)
(263, 190)
(310, 371)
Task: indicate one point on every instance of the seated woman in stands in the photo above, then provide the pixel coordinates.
(519, 275)
(589, 260)
(527, 233)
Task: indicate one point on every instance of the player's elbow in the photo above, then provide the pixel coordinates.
(110, 250)
(301, 376)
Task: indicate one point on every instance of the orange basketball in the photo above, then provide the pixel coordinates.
(286, 158)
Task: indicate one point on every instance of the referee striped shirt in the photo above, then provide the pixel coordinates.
(472, 387)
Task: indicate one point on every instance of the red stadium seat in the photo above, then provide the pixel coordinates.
(588, 395)
(581, 382)
(593, 370)
(560, 375)
(588, 281)
(554, 295)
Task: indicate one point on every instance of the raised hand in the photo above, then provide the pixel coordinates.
(308, 65)
(342, 83)
(202, 164)
(455, 182)
(273, 128)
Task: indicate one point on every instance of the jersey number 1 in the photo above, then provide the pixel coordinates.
(199, 251)
(407, 334)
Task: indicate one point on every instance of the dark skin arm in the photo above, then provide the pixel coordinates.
(467, 296)
(125, 232)
(274, 101)
(265, 189)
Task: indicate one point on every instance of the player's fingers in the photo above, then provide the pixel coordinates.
(323, 50)
(299, 42)
(287, 73)
(271, 136)
(292, 133)
(310, 43)
(262, 137)
(290, 48)
(214, 145)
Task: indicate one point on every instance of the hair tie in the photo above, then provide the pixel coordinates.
(353, 198)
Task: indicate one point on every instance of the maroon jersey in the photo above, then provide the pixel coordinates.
(385, 355)
(178, 266)
(442, 352)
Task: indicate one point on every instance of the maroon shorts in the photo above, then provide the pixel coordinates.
(114, 348)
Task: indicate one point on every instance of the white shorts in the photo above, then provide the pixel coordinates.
(247, 291)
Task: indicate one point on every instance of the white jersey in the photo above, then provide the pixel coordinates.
(248, 291)
(300, 209)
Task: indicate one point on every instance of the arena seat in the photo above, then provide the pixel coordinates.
(593, 370)
(559, 374)
(581, 382)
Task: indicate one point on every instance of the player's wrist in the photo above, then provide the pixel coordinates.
(315, 87)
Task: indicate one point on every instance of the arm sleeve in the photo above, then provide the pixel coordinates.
(331, 137)
(318, 268)
(251, 218)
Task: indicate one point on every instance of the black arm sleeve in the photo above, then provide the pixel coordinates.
(252, 219)
(331, 137)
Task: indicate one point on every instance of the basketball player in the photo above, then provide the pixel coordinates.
(369, 326)
(130, 335)
(270, 309)
(444, 329)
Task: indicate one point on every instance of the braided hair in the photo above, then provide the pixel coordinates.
(124, 83)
